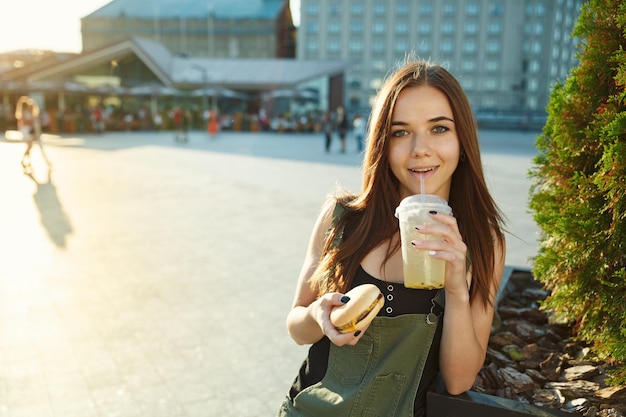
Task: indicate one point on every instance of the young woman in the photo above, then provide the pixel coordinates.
(421, 124)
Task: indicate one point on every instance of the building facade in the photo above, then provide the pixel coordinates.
(217, 28)
(506, 53)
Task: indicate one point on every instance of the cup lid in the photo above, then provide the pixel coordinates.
(420, 200)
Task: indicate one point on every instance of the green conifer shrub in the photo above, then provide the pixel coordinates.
(578, 198)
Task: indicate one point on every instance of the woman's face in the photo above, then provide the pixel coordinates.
(423, 141)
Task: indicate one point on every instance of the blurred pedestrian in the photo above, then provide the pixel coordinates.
(358, 128)
(328, 127)
(342, 127)
(178, 117)
(97, 118)
(28, 123)
(213, 126)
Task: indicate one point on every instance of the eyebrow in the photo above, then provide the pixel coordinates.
(434, 119)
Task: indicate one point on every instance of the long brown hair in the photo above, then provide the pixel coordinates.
(369, 218)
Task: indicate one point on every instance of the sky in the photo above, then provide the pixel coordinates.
(50, 24)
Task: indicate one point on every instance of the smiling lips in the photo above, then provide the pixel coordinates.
(423, 171)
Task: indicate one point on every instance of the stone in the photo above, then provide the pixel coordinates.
(536, 376)
(517, 381)
(501, 339)
(551, 367)
(580, 372)
(617, 393)
(574, 389)
(548, 398)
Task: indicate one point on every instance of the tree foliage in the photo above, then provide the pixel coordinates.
(578, 197)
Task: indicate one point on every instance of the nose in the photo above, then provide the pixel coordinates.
(421, 145)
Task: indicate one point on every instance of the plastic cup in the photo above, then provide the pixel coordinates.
(421, 270)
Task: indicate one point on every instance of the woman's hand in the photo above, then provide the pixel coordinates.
(320, 310)
(451, 249)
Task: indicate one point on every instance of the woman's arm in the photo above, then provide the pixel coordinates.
(309, 318)
(466, 331)
(466, 326)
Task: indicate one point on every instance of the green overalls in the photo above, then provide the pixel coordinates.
(379, 376)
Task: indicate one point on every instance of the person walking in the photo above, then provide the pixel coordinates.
(342, 127)
(358, 129)
(29, 124)
(421, 127)
(180, 124)
(327, 127)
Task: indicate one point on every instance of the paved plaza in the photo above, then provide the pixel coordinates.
(148, 278)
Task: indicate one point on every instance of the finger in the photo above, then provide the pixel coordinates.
(446, 219)
(351, 338)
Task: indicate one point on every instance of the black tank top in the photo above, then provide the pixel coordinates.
(398, 300)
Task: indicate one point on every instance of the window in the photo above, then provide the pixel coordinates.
(334, 27)
(554, 70)
(402, 28)
(379, 27)
(312, 27)
(354, 83)
(376, 83)
(402, 8)
(527, 28)
(357, 9)
(333, 45)
(491, 84)
(491, 66)
(446, 46)
(469, 65)
(565, 56)
(424, 46)
(312, 9)
(449, 9)
(467, 83)
(378, 46)
(496, 9)
(529, 9)
(334, 8)
(539, 28)
(535, 66)
(471, 28)
(424, 28)
(494, 28)
(379, 65)
(356, 27)
(469, 46)
(540, 9)
(356, 45)
(493, 46)
(379, 9)
(425, 9)
(472, 9)
(447, 28)
(400, 45)
(312, 45)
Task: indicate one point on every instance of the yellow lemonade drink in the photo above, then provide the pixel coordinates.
(421, 270)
